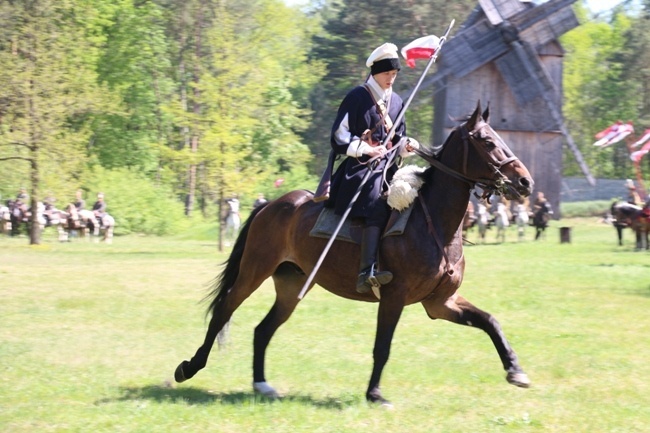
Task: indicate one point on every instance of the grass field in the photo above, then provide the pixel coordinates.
(91, 333)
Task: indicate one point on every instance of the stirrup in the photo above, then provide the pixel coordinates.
(371, 280)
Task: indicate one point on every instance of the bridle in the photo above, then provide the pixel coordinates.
(499, 184)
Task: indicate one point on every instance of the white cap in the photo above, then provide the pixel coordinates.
(386, 51)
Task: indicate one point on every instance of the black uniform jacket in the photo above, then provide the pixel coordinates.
(362, 114)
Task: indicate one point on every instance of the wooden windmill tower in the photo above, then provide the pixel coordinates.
(507, 54)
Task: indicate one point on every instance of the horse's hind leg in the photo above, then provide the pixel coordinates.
(245, 284)
(461, 311)
(288, 281)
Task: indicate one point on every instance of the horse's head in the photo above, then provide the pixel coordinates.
(476, 154)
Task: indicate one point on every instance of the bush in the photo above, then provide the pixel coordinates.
(137, 205)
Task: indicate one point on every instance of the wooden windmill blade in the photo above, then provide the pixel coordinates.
(498, 11)
(524, 73)
(545, 23)
(522, 69)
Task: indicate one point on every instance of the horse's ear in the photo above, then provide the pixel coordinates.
(475, 117)
(486, 113)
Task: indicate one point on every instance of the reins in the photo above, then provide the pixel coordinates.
(489, 186)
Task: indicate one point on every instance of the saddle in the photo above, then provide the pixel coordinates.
(351, 230)
(402, 193)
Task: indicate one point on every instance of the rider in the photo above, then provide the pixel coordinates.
(22, 197)
(362, 123)
(632, 195)
(79, 202)
(99, 209)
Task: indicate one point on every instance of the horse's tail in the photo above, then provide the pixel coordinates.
(223, 283)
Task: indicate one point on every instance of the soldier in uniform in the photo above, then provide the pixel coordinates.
(363, 121)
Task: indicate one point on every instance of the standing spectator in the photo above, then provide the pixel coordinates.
(260, 201)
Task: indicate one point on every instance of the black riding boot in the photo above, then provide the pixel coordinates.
(369, 276)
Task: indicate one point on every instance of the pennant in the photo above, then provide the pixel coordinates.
(640, 141)
(636, 156)
(613, 134)
(421, 48)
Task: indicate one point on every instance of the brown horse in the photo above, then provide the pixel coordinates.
(637, 218)
(427, 261)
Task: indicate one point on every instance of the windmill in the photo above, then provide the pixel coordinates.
(507, 52)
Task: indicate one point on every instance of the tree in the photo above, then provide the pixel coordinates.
(49, 89)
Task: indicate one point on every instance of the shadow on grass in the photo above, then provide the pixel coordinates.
(197, 396)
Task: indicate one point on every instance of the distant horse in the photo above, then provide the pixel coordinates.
(521, 220)
(5, 219)
(58, 219)
(427, 260)
(102, 227)
(19, 215)
(635, 217)
(502, 221)
(541, 217)
(80, 221)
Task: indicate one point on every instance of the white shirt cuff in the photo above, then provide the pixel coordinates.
(358, 148)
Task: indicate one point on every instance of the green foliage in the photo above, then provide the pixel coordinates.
(605, 76)
(137, 205)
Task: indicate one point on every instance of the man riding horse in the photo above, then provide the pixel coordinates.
(364, 119)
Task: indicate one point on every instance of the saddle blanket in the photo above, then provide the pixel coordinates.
(328, 221)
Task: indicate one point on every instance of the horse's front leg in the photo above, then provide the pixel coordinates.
(390, 310)
(459, 310)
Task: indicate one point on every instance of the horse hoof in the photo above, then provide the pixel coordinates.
(179, 375)
(265, 389)
(518, 379)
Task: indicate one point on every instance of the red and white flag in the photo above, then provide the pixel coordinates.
(614, 134)
(421, 48)
(636, 156)
(640, 141)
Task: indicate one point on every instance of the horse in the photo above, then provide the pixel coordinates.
(101, 226)
(427, 260)
(57, 218)
(5, 219)
(19, 215)
(521, 220)
(502, 221)
(79, 221)
(636, 217)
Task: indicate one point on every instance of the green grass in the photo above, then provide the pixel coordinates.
(91, 333)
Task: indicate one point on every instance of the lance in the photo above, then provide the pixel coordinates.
(371, 163)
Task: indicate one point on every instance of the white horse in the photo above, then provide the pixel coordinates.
(482, 220)
(103, 227)
(521, 218)
(502, 221)
(5, 219)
